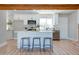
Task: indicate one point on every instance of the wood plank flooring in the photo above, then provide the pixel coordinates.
(62, 47)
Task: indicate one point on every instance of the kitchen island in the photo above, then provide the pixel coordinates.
(32, 34)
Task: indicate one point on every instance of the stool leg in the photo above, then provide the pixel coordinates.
(44, 45)
(33, 45)
(40, 44)
(50, 44)
(51, 47)
(21, 47)
(22, 43)
(28, 45)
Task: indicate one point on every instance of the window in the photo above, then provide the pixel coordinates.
(46, 23)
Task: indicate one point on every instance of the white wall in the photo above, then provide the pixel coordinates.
(56, 20)
(78, 22)
(63, 26)
(78, 16)
(73, 26)
(69, 25)
(4, 34)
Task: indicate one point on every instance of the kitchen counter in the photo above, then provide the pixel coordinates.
(32, 34)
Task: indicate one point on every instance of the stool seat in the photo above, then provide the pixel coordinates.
(25, 38)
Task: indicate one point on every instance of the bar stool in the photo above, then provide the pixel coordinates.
(23, 39)
(35, 45)
(45, 45)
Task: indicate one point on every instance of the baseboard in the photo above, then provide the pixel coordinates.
(3, 44)
(73, 39)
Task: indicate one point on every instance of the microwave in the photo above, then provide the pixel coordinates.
(31, 22)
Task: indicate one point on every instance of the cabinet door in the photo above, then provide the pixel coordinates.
(56, 35)
(18, 25)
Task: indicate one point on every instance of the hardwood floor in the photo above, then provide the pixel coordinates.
(63, 47)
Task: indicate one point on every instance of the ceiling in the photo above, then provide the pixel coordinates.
(41, 11)
(54, 11)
